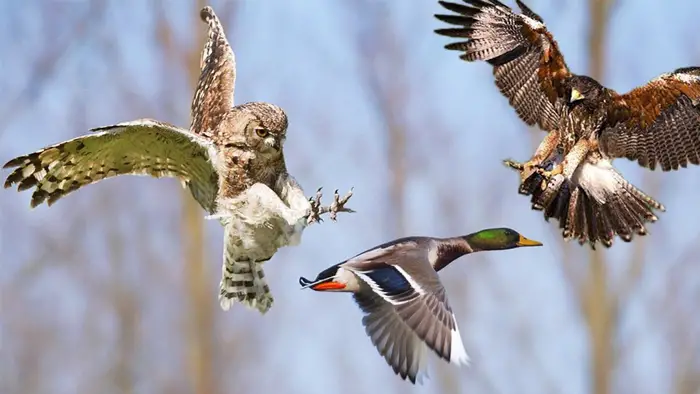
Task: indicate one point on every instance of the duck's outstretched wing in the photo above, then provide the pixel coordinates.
(396, 303)
(400, 346)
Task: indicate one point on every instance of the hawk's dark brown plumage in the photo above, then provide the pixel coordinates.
(657, 124)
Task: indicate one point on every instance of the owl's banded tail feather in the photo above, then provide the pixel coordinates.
(244, 281)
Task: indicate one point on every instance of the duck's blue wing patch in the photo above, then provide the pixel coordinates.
(391, 282)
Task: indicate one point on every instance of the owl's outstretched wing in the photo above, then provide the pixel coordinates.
(140, 147)
(213, 97)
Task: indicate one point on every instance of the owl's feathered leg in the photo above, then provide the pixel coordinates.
(338, 205)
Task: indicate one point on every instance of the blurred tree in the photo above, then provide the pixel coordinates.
(200, 323)
(382, 59)
(201, 314)
(598, 304)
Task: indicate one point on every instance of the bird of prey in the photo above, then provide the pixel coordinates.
(231, 160)
(406, 309)
(588, 125)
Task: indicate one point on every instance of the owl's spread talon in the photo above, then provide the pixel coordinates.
(338, 205)
(315, 202)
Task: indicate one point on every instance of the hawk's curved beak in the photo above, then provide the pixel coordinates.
(527, 242)
(576, 96)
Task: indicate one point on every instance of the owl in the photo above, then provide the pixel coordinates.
(231, 160)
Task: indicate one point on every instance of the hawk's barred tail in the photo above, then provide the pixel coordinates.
(244, 281)
(592, 213)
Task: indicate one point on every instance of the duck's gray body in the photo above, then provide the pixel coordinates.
(397, 287)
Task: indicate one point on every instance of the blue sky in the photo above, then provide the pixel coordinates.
(518, 314)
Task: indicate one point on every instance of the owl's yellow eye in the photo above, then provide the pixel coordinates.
(261, 132)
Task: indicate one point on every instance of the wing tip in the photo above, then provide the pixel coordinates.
(19, 160)
(207, 14)
(458, 354)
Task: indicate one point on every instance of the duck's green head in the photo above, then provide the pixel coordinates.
(498, 239)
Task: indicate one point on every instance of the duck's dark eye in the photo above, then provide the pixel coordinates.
(261, 132)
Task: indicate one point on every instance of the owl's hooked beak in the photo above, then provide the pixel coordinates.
(273, 143)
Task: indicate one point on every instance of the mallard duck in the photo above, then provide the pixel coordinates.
(656, 124)
(396, 285)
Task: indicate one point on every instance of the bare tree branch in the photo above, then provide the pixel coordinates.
(50, 61)
(383, 72)
(598, 304)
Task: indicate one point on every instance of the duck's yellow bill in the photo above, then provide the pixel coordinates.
(329, 286)
(528, 242)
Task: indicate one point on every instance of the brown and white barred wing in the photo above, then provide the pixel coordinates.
(658, 123)
(140, 147)
(214, 94)
(528, 67)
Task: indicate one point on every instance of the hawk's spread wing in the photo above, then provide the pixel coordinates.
(214, 94)
(658, 123)
(140, 147)
(528, 67)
